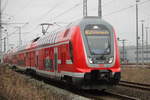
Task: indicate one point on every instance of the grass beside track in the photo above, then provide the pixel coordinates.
(14, 86)
(136, 74)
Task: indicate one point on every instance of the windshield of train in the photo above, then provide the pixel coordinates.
(98, 38)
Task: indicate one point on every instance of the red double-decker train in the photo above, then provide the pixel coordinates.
(85, 54)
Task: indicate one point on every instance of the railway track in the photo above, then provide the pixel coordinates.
(93, 94)
(145, 87)
(121, 96)
(107, 95)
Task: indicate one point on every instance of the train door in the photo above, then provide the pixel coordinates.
(29, 59)
(48, 59)
(32, 59)
(41, 59)
(37, 59)
(56, 61)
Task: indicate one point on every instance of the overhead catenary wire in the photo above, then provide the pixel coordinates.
(68, 10)
(46, 13)
(42, 16)
(55, 6)
(107, 2)
(120, 10)
(64, 12)
(126, 8)
(25, 6)
(144, 2)
(61, 14)
(49, 11)
(103, 5)
(31, 31)
(14, 32)
(5, 5)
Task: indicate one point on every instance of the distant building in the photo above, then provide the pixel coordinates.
(130, 54)
(1, 55)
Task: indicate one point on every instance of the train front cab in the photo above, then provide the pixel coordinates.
(98, 56)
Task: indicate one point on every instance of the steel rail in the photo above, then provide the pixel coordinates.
(121, 96)
(135, 85)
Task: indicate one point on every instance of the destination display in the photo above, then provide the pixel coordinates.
(96, 32)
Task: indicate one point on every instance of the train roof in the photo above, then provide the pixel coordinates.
(51, 38)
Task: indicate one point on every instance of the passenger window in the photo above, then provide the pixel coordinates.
(71, 51)
(49, 64)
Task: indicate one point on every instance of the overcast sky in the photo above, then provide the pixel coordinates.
(119, 13)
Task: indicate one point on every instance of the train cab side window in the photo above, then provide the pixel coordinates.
(71, 51)
(66, 32)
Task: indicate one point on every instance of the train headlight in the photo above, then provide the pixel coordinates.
(91, 60)
(110, 60)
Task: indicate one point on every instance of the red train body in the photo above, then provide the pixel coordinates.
(84, 53)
